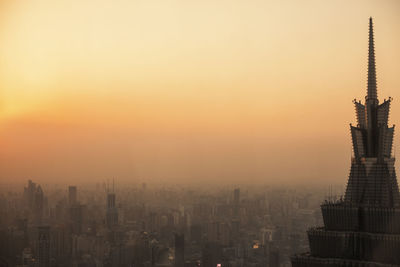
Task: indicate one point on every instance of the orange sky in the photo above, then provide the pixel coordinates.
(180, 91)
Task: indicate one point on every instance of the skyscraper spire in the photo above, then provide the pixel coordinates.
(371, 91)
(363, 228)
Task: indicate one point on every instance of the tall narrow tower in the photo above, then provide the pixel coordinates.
(179, 250)
(112, 211)
(363, 229)
(236, 202)
(72, 195)
(43, 246)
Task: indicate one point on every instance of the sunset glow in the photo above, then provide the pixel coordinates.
(188, 91)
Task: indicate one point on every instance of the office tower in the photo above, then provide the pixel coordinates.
(363, 228)
(72, 195)
(235, 229)
(29, 193)
(38, 205)
(211, 254)
(43, 246)
(236, 202)
(61, 242)
(224, 234)
(196, 233)
(112, 212)
(274, 257)
(76, 212)
(213, 231)
(179, 250)
(35, 201)
(236, 196)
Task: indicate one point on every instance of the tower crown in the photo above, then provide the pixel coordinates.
(372, 138)
(371, 180)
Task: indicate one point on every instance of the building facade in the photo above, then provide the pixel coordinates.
(363, 228)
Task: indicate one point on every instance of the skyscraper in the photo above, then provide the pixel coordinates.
(29, 194)
(76, 213)
(43, 246)
(363, 228)
(179, 250)
(72, 195)
(236, 202)
(112, 212)
(38, 203)
(35, 201)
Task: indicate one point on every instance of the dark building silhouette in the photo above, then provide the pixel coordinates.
(179, 250)
(72, 195)
(363, 229)
(274, 257)
(29, 194)
(35, 202)
(43, 246)
(211, 254)
(76, 218)
(112, 212)
(236, 202)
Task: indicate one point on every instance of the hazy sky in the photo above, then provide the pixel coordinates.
(184, 90)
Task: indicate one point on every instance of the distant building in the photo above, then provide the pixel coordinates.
(38, 208)
(27, 259)
(213, 231)
(211, 255)
(236, 202)
(179, 250)
(35, 201)
(363, 229)
(72, 195)
(43, 246)
(224, 234)
(76, 218)
(274, 257)
(112, 212)
(29, 194)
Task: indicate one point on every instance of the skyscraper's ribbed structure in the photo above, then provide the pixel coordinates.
(363, 229)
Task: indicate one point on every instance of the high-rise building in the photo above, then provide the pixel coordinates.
(76, 213)
(236, 202)
(363, 228)
(29, 193)
(274, 256)
(224, 234)
(38, 208)
(179, 250)
(35, 201)
(112, 212)
(212, 254)
(43, 246)
(213, 231)
(72, 195)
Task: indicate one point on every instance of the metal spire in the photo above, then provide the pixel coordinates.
(371, 91)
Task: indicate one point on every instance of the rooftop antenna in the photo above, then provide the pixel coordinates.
(113, 185)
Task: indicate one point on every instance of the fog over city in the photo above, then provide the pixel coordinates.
(169, 133)
(172, 92)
